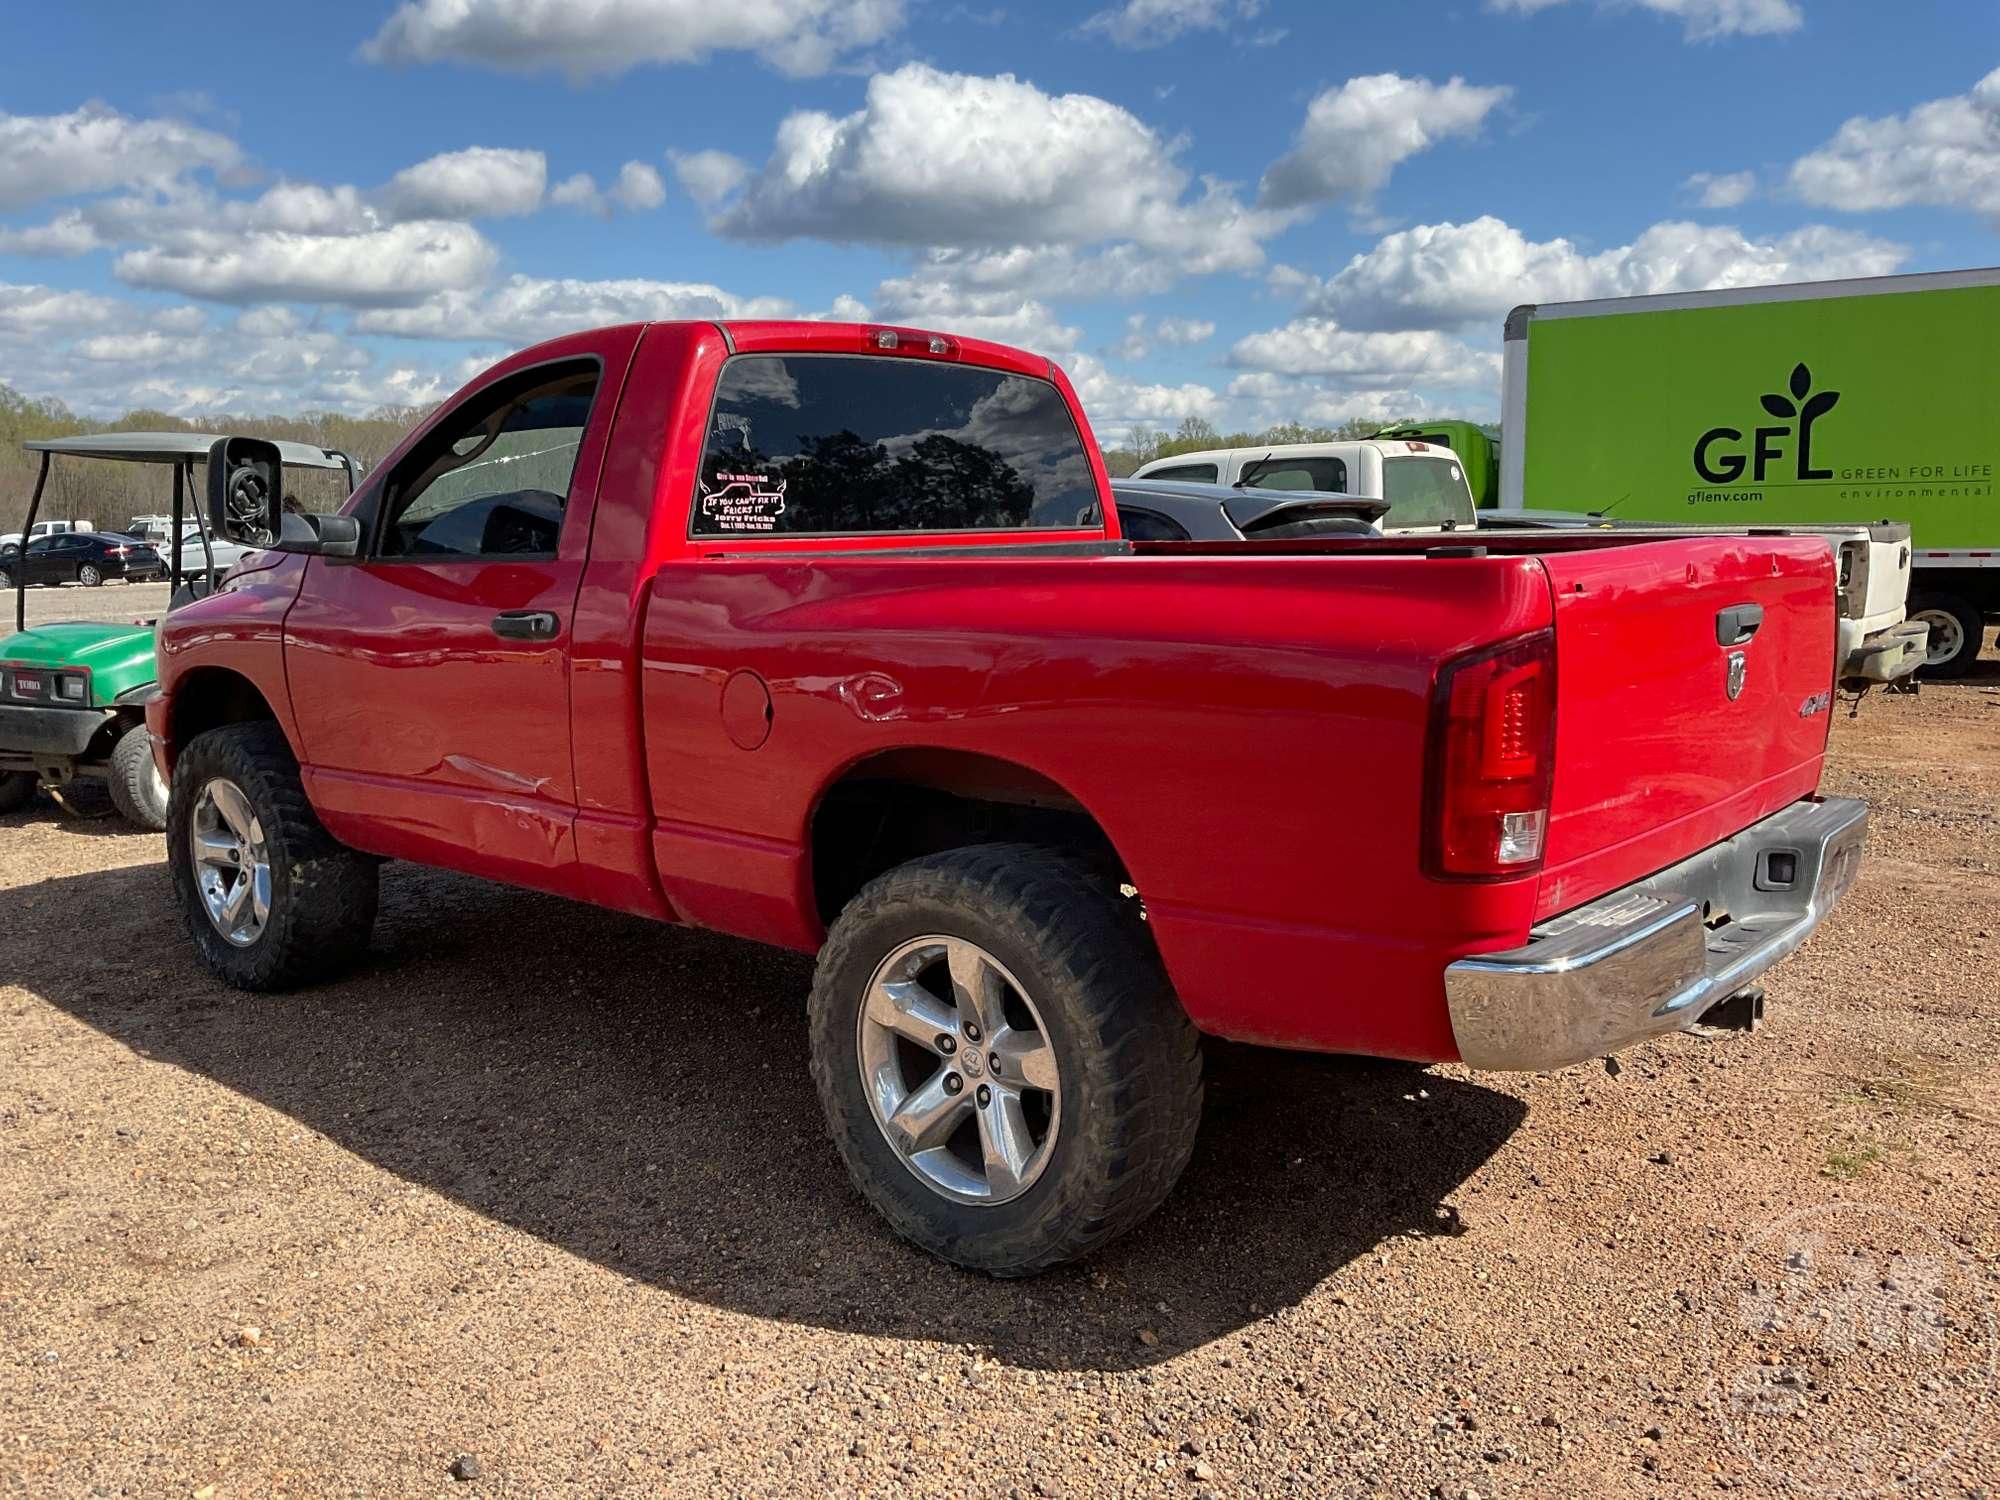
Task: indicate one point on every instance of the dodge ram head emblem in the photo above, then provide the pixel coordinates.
(1739, 667)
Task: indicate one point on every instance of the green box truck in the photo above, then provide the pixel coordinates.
(1831, 401)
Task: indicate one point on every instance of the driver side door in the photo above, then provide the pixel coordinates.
(430, 676)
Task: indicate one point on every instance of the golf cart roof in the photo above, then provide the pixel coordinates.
(170, 448)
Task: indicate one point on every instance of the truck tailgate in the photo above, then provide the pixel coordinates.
(1662, 748)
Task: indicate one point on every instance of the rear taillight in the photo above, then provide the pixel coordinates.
(1491, 760)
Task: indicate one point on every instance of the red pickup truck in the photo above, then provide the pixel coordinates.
(826, 635)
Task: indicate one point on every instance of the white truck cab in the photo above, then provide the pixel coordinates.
(50, 528)
(1423, 483)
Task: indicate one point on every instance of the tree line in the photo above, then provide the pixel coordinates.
(111, 494)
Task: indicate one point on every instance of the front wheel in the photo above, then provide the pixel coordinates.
(1956, 632)
(138, 790)
(89, 576)
(271, 900)
(1002, 1064)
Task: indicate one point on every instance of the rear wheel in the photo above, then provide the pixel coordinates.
(17, 790)
(1956, 632)
(138, 790)
(6, 579)
(1001, 1061)
(271, 900)
(89, 575)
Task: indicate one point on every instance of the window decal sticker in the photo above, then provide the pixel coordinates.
(744, 502)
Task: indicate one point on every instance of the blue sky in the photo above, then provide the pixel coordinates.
(1240, 210)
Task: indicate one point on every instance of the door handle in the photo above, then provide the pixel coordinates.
(526, 625)
(1736, 624)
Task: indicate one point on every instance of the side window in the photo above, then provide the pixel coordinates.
(492, 479)
(1325, 474)
(824, 444)
(1149, 526)
(1192, 473)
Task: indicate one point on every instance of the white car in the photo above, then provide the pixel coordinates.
(1423, 483)
(195, 562)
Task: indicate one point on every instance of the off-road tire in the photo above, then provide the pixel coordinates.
(1129, 1059)
(89, 575)
(1969, 622)
(323, 894)
(17, 790)
(137, 790)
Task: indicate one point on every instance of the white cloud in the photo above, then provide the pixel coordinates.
(709, 176)
(1319, 346)
(949, 159)
(1114, 402)
(39, 311)
(1125, 270)
(528, 309)
(1355, 135)
(1944, 153)
(478, 182)
(1721, 189)
(1469, 275)
(1154, 23)
(392, 266)
(1260, 399)
(68, 234)
(1143, 334)
(1701, 20)
(103, 355)
(800, 37)
(637, 187)
(1004, 316)
(92, 149)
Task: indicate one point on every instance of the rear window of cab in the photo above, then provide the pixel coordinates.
(835, 444)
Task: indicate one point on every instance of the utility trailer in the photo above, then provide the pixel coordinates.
(1825, 402)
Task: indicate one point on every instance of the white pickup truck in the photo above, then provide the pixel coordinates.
(1423, 482)
(1873, 642)
(49, 528)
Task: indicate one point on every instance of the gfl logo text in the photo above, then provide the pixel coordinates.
(1719, 457)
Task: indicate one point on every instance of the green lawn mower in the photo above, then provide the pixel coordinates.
(73, 693)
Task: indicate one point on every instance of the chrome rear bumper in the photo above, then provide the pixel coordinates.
(1656, 955)
(1888, 654)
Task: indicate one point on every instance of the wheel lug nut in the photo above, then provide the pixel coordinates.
(953, 1083)
(985, 1096)
(993, 1061)
(946, 1044)
(971, 1032)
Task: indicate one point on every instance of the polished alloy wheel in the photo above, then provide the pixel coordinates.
(232, 867)
(958, 1070)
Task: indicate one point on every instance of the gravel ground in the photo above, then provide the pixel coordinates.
(542, 1192)
(119, 603)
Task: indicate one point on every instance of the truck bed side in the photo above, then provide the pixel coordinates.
(1249, 737)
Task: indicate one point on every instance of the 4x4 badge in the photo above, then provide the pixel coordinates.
(1739, 667)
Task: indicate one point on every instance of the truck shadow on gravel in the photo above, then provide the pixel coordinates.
(639, 1096)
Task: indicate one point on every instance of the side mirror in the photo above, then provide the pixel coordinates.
(320, 536)
(246, 491)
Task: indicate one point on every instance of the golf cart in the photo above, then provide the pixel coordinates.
(73, 693)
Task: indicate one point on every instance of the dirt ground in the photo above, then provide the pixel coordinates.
(545, 1189)
(117, 603)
